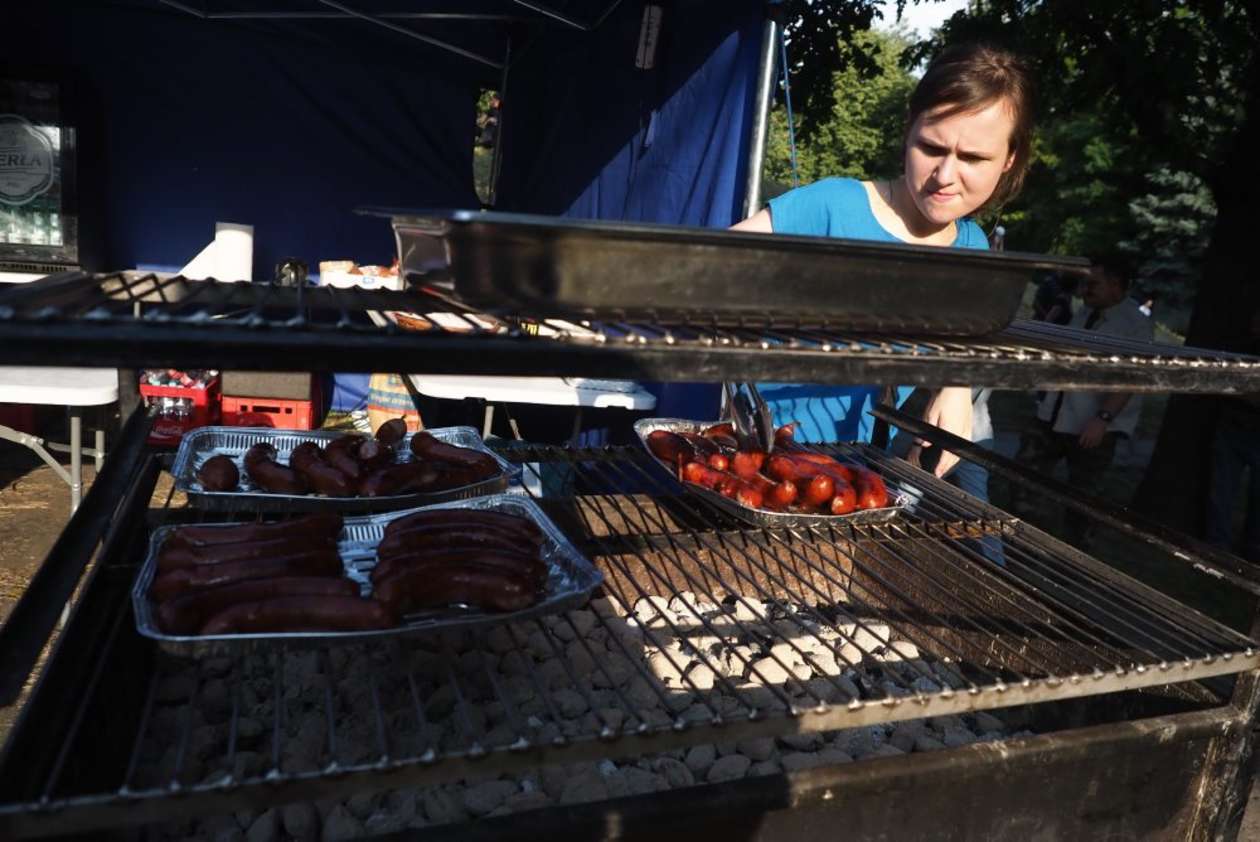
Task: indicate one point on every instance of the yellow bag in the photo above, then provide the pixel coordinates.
(388, 398)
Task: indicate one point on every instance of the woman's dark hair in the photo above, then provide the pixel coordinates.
(970, 77)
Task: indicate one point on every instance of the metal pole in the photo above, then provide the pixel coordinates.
(496, 162)
(761, 117)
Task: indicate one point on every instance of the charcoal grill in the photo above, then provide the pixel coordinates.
(1147, 704)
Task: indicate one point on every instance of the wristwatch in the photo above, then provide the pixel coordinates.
(1106, 416)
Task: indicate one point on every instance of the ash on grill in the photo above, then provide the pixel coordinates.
(604, 670)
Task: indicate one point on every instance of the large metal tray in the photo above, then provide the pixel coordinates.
(570, 582)
(545, 266)
(200, 444)
(760, 517)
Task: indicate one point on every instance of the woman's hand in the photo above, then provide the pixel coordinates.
(950, 409)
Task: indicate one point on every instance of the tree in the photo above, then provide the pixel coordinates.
(861, 135)
(1184, 76)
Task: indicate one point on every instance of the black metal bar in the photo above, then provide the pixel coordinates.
(35, 616)
(411, 33)
(1200, 556)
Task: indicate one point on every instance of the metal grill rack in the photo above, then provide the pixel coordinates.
(132, 319)
(737, 632)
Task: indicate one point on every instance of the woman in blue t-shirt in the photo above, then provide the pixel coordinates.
(967, 149)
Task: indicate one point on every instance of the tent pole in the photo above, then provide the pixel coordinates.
(496, 162)
(761, 116)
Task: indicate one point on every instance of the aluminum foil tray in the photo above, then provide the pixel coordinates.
(761, 517)
(200, 444)
(543, 266)
(571, 580)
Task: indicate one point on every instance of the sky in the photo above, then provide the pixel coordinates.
(923, 16)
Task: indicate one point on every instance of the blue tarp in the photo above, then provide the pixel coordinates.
(289, 126)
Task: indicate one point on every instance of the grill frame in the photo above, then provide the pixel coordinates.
(138, 319)
(99, 623)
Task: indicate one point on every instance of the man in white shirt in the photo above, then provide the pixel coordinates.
(1083, 427)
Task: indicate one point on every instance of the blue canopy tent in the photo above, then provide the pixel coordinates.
(289, 115)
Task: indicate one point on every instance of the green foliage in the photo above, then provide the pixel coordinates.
(861, 135)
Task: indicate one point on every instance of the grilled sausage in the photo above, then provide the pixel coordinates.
(187, 613)
(302, 613)
(719, 431)
(218, 473)
(270, 475)
(741, 491)
(819, 491)
(784, 436)
(845, 499)
(701, 446)
(670, 448)
(308, 460)
(374, 455)
(320, 562)
(487, 588)
(459, 517)
(341, 454)
(176, 555)
(719, 462)
(530, 567)
(747, 463)
(702, 474)
(783, 494)
(425, 446)
(440, 537)
(392, 431)
(871, 491)
(325, 524)
(409, 477)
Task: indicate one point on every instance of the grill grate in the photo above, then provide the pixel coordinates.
(708, 631)
(133, 319)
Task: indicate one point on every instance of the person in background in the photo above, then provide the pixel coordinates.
(1235, 448)
(1148, 305)
(1053, 301)
(967, 149)
(1083, 428)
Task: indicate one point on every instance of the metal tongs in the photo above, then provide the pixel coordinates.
(750, 416)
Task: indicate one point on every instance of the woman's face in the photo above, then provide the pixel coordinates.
(954, 162)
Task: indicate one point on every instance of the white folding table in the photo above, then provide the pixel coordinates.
(73, 388)
(577, 392)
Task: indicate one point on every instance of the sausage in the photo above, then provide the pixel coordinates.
(392, 431)
(302, 613)
(409, 477)
(845, 499)
(433, 517)
(438, 537)
(308, 460)
(783, 494)
(725, 442)
(784, 436)
(819, 491)
(703, 447)
(747, 463)
(701, 474)
(467, 584)
(218, 473)
(530, 567)
(741, 491)
(723, 430)
(425, 446)
(324, 524)
(373, 454)
(670, 447)
(188, 612)
(319, 562)
(838, 470)
(870, 488)
(719, 462)
(340, 453)
(175, 555)
(791, 466)
(270, 475)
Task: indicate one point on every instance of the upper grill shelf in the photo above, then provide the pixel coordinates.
(139, 319)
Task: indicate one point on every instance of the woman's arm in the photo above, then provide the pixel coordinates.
(758, 223)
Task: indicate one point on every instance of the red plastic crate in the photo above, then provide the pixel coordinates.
(269, 412)
(166, 432)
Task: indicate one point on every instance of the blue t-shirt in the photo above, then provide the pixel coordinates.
(836, 207)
